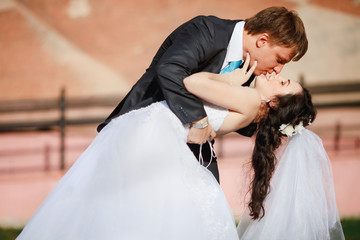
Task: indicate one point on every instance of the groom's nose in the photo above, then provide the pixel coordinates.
(278, 68)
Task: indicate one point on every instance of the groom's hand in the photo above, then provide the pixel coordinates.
(199, 134)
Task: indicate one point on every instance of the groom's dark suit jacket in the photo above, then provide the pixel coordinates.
(198, 45)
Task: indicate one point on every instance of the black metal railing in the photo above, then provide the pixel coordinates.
(61, 105)
(64, 104)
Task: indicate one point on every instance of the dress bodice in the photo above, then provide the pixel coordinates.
(215, 114)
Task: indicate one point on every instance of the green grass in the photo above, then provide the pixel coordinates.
(9, 233)
(351, 227)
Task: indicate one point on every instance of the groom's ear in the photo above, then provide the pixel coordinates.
(262, 40)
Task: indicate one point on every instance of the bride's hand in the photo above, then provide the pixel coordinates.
(241, 75)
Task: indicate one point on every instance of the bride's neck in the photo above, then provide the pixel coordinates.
(262, 111)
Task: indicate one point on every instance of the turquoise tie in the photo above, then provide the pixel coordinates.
(231, 67)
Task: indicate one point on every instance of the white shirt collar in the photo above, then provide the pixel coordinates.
(235, 48)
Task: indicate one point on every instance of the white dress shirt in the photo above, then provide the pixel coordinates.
(235, 47)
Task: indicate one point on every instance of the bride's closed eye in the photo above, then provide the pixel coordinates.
(283, 83)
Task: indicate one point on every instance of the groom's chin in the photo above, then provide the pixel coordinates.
(257, 72)
(260, 72)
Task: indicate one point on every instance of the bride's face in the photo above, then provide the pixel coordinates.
(270, 86)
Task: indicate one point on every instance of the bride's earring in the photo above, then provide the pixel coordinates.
(266, 101)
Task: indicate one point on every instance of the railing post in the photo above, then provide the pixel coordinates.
(337, 136)
(47, 158)
(62, 123)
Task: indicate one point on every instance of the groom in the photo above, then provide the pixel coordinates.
(272, 37)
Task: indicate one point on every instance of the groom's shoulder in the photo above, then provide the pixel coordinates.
(214, 23)
(213, 18)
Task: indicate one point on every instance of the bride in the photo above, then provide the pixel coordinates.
(116, 191)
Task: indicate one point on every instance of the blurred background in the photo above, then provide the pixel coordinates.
(65, 64)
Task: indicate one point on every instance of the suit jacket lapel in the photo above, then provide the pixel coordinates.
(224, 31)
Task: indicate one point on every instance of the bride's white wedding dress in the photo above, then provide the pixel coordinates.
(137, 180)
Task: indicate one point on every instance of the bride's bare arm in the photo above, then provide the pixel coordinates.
(216, 89)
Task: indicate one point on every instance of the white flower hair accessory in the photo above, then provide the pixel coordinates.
(290, 130)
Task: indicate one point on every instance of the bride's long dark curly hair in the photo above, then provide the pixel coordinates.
(290, 109)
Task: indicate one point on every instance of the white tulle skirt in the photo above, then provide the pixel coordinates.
(301, 204)
(137, 180)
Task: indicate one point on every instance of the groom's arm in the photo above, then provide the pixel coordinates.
(189, 48)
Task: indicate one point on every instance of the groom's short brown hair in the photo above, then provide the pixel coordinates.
(284, 27)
